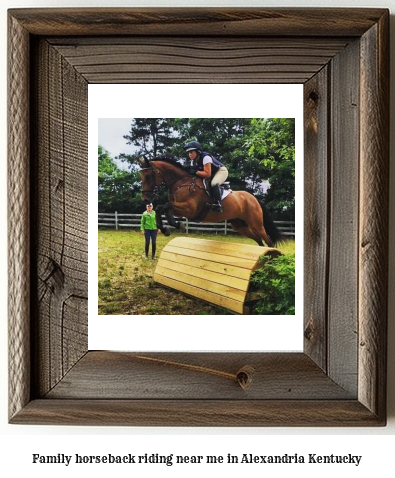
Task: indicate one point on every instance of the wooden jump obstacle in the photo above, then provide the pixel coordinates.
(214, 271)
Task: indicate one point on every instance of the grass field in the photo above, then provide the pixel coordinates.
(125, 281)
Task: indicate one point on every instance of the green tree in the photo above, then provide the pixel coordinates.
(271, 149)
(118, 189)
(151, 137)
(107, 167)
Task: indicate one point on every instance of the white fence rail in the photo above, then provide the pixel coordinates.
(118, 221)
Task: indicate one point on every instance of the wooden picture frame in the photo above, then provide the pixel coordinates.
(342, 58)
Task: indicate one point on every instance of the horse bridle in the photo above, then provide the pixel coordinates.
(158, 172)
(154, 171)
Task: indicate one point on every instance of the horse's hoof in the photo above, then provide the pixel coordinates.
(182, 227)
(166, 231)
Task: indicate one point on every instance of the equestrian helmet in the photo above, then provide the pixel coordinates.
(193, 146)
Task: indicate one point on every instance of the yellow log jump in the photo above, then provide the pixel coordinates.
(214, 271)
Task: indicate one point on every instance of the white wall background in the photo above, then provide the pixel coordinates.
(19, 442)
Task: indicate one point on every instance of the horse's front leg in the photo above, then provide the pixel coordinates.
(168, 209)
(159, 211)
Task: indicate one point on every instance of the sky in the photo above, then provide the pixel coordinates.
(111, 132)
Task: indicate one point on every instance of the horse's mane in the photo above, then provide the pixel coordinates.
(170, 160)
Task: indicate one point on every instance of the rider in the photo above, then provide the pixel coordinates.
(207, 167)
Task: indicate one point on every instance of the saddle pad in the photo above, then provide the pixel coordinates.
(225, 193)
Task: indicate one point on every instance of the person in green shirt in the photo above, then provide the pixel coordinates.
(149, 229)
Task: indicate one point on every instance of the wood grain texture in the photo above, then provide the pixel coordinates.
(345, 325)
(344, 216)
(136, 376)
(316, 215)
(201, 413)
(18, 218)
(178, 21)
(373, 227)
(61, 199)
(197, 59)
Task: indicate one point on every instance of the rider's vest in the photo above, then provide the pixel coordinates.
(216, 164)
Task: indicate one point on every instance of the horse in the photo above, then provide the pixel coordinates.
(188, 197)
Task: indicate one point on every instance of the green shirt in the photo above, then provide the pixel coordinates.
(148, 221)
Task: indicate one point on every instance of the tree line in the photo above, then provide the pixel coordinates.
(258, 152)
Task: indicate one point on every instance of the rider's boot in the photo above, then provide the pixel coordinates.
(217, 198)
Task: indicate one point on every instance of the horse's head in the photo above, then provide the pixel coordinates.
(150, 179)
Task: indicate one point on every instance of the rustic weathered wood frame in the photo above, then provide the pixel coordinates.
(340, 378)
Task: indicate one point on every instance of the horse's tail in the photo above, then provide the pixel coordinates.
(269, 225)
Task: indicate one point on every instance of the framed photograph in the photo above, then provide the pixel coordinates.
(341, 59)
(205, 270)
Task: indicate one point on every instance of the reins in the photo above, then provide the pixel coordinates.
(192, 184)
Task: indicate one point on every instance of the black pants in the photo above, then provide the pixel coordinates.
(150, 235)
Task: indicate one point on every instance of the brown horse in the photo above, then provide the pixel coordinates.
(188, 198)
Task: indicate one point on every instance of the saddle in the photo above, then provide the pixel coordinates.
(223, 187)
(207, 206)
